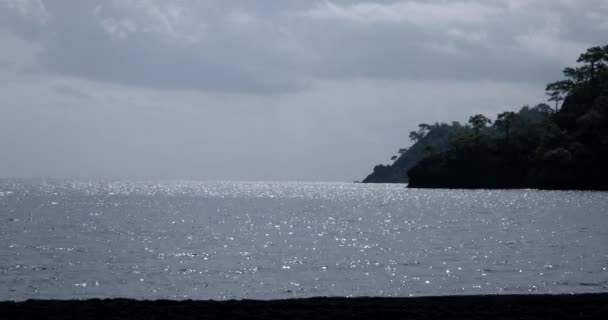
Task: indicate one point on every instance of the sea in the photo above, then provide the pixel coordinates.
(275, 240)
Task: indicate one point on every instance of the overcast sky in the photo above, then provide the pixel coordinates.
(264, 90)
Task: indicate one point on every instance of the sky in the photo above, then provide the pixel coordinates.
(264, 90)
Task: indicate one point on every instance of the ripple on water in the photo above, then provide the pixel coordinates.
(222, 240)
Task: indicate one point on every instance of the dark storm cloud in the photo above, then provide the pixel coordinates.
(280, 46)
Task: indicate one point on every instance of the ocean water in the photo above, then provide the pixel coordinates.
(229, 240)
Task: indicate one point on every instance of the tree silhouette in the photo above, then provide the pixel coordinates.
(423, 129)
(542, 108)
(563, 87)
(478, 122)
(555, 96)
(415, 136)
(505, 121)
(594, 63)
(595, 59)
(576, 76)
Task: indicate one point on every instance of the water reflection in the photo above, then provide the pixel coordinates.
(275, 240)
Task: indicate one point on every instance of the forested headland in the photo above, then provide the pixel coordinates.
(561, 144)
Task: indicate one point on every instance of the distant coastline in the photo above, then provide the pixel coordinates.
(562, 146)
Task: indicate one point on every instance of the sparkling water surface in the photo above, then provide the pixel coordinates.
(231, 240)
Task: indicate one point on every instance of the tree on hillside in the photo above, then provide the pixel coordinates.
(542, 108)
(504, 121)
(430, 150)
(557, 97)
(561, 88)
(402, 151)
(578, 75)
(478, 122)
(423, 129)
(594, 62)
(595, 58)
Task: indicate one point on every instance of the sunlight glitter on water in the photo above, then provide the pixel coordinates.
(222, 240)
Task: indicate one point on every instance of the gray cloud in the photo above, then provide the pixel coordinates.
(279, 46)
(278, 89)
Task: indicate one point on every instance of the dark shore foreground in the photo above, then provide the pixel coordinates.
(586, 306)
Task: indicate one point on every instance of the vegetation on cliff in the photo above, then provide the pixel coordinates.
(545, 147)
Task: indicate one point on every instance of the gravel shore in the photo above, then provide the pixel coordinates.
(583, 306)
